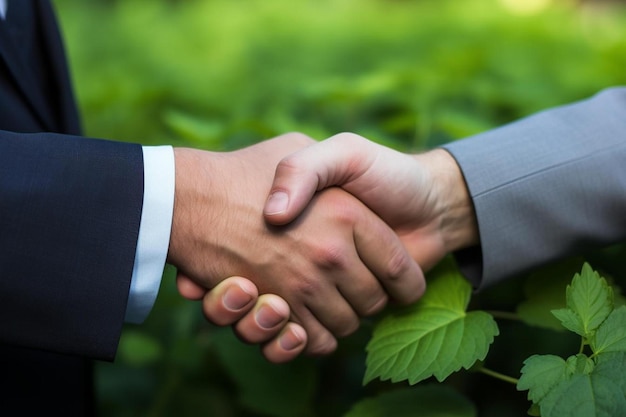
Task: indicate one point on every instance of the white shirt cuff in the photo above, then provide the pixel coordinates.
(154, 231)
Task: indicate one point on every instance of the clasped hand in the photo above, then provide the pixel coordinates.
(321, 256)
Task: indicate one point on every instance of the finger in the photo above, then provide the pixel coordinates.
(229, 301)
(358, 292)
(334, 161)
(383, 253)
(264, 321)
(348, 288)
(320, 340)
(287, 346)
(329, 308)
(189, 289)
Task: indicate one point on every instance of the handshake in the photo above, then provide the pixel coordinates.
(292, 241)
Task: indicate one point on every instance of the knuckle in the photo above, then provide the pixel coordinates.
(288, 163)
(398, 265)
(308, 287)
(345, 211)
(331, 256)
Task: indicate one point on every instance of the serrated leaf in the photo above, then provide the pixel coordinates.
(447, 288)
(576, 388)
(611, 335)
(544, 290)
(570, 320)
(540, 374)
(590, 300)
(427, 400)
(597, 394)
(435, 337)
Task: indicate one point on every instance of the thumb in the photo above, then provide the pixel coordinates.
(294, 185)
(298, 176)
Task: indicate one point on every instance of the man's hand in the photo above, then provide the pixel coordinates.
(422, 197)
(330, 265)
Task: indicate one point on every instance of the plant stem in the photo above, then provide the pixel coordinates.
(498, 375)
(505, 315)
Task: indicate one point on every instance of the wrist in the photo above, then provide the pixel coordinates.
(191, 198)
(457, 227)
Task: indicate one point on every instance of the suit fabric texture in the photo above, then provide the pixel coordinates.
(70, 210)
(547, 186)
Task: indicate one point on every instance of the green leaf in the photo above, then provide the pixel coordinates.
(436, 336)
(540, 374)
(597, 394)
(428, 400)
(570, 320)
(544, 292)
(611, 335)
(576, 387)
(611, 365)
(573, 398)
(589, 302)
(579, 364)
(580, 386)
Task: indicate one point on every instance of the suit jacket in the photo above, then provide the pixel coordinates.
(69, 218)
(547, 186)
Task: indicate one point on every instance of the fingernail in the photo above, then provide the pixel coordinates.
(237, 298)
(292, 339)
(267, 317)
(277, 203)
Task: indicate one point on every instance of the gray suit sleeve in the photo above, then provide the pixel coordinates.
(545, 187)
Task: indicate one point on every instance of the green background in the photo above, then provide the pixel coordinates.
(222, 74)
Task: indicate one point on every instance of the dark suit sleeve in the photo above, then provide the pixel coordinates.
(545, 187)
(69, 218)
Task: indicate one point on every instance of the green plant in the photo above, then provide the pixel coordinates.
(223, 74)
(438, 336)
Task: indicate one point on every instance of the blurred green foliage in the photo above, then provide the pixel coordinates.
(411, 74)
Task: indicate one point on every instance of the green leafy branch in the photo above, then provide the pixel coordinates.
(583, 385)
(438, 336)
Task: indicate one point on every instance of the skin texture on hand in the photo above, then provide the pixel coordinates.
(330, 265)
(422, 197)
